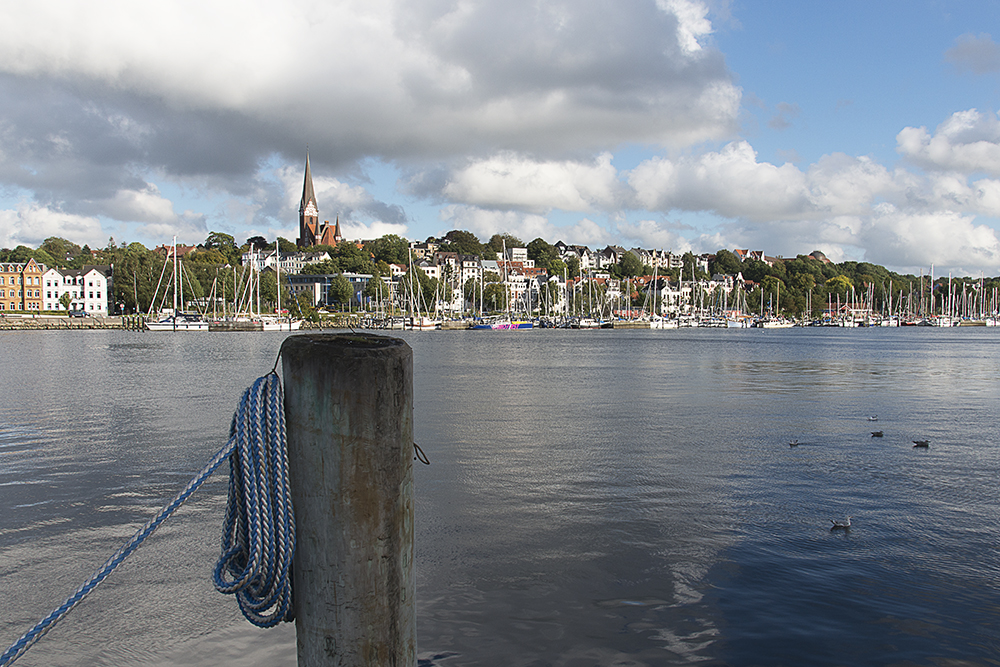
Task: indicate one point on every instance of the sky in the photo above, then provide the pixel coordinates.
(867, 130)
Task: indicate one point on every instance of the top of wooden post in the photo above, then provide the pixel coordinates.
(342, 344)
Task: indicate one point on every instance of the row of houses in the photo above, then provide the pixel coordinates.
(526, 286)
(29, 286)
(590, 259)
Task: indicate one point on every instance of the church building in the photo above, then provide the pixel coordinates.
(311, 232)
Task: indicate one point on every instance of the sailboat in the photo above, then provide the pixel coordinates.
(178, 321)
(276, 322)
(416, 320)
(505, 321)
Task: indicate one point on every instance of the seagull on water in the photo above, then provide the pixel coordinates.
(793, 443)
(921, 443)
(876, 434)
(873, 418)
(841, 523)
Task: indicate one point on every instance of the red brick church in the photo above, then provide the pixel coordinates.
(311, 232)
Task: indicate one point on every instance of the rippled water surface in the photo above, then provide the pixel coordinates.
(595, 497)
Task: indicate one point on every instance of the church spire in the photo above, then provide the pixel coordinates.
(308, 194)
(309, 227)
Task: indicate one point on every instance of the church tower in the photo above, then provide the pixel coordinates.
(308, 211)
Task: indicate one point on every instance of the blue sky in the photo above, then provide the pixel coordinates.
(866, 130)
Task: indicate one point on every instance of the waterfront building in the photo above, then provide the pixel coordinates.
(317, 286)
(471, 268)
(21, 286)
(88, 288)
(581, 252)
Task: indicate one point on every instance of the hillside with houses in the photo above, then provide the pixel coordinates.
(459, 276)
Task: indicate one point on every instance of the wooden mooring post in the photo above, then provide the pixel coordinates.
(349, 411)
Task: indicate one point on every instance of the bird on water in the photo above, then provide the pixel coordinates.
(793, 443)
(876, 434)
(841, 523)
(921, 443)
(873, 418)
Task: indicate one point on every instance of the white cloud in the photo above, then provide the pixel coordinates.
(730, 182)
(30, 224)
(968, 142)
(841, 185)
(652, 234)
(525, 226)
(357, 231)
(189, 225)
(692, 22)
(947, 239)
(146, 205)
(419, 76)
(510, 180)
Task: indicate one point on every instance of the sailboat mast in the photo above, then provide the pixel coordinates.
(175, 277)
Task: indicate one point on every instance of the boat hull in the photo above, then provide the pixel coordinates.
(171, 324)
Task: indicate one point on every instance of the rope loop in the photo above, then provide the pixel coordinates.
(258, 532)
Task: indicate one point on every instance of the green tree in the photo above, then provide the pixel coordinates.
(494, 297)
(345, 258)
(225, 245)
(498, 241)
(377, 289)
(340, 290)
(557, 267)
(726, 263)
(65, 300)
(462, 242)
(839, 285)
(629, 265)
(391, 249)
(573, 266)
(755, 270)
(61, 250)
(691, 270)
(543, 254)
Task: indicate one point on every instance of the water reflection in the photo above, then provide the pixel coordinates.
(604, 498)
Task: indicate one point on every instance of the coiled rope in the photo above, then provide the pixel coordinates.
(258, 534)
(258, 539)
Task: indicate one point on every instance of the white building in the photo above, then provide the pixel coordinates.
(291, 262)
(88, 289)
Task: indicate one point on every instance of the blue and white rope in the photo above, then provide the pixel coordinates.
(261, 566)
(258, 534)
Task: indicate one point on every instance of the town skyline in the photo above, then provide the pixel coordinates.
(868, 132)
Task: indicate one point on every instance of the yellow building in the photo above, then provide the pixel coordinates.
(21, 286)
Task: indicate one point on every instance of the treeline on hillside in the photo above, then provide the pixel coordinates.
(797, 282)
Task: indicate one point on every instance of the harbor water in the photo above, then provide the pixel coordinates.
(594, 497)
